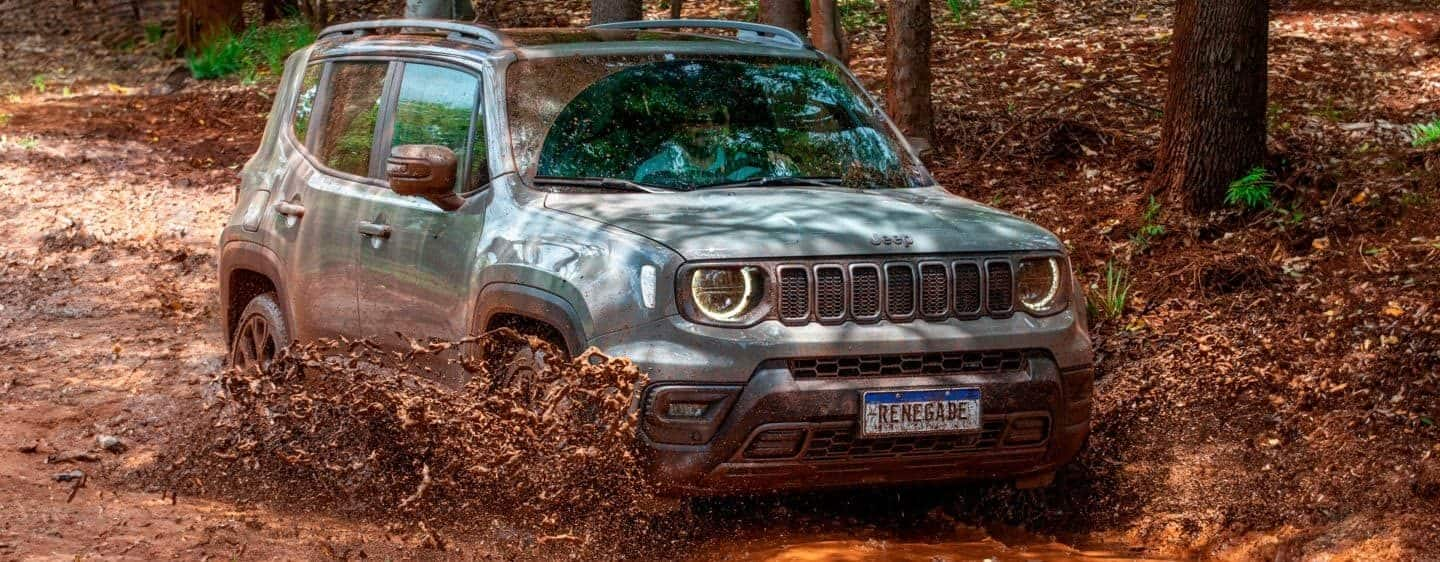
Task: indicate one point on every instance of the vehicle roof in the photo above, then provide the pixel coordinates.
(526, 43)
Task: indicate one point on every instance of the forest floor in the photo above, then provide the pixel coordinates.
(1269, 389)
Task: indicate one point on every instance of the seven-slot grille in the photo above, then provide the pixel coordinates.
(899, 291)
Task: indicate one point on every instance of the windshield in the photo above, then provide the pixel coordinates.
(696, 122)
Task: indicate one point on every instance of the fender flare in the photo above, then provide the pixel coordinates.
(249, 256)
(511, 298)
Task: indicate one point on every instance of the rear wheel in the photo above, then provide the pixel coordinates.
(260, 334)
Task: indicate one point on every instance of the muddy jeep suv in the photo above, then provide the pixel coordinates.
(727, 207)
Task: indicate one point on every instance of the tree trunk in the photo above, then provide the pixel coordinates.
(197, 22)
(317, 12)
(677, 8)
(1214, 126)
(606, 11)
(826, 33)
(907, 91)
(789, 14)
(440, 9)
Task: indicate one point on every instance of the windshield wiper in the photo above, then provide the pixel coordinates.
(615, 184)
(769, 181)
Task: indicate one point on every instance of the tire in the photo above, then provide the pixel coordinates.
(260, 333)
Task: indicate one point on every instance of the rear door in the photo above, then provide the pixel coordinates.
(323, 200)
(414, 281)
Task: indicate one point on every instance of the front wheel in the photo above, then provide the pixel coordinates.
(260, 334)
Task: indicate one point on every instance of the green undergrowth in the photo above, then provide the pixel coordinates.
(259, 50)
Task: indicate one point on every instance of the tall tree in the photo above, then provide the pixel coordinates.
(677, 9)
(1214, 126)
(826, 33)
(606, 11)
(197, 22)
(789, 14)
(907, 54)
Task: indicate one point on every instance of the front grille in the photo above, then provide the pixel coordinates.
(840, 444)
(1002, 291)
(896, 290)
(830, 293)
(865, 292)
(899, 291)
(838, 441)
(794, 294)
(909, 364)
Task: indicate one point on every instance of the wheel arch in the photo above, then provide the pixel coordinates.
(248, 270)
(498, 300)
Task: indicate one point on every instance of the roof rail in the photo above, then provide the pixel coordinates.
(745, 31)
(454, 28)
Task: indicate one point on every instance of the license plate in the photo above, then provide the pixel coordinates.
(910, 412)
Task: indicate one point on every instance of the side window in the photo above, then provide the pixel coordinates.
(305, 100)
(436, 105)
(349, 131)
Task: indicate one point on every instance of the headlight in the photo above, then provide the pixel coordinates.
(726, 295)
(1042, 285)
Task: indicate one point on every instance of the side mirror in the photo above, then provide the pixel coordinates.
(424, 170)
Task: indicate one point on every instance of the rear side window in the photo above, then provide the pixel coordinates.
(305, 101)
(349, 132)
(436, 105)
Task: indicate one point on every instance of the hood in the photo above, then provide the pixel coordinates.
(773, 222)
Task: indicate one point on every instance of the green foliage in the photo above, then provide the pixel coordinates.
(1425, 134)
(154, 32)
(38, 82)
(28, 143)
(860, 14)
(963, 10)
(260, 50)
(1150, 228)
(1251, 191)
(1019, 4)
(5, 118)
(1111, 297)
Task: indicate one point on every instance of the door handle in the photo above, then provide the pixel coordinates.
(290, 209)
(375, 230)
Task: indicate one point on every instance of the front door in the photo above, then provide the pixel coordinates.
(324, 190)
(414, 279)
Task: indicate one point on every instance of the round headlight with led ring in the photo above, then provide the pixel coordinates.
(1042, 286)
(727, 295)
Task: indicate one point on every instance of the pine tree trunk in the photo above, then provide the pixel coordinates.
(826, 33)
(789, 14)
(907, 90)
(197, 22)
(1214, 126)
(677, 9)
(606, 11)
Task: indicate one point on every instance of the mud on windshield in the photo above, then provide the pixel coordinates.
(701, 121)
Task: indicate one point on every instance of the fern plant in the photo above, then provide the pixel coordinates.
(1252, 191)
(1110, 299)
(1425, 134)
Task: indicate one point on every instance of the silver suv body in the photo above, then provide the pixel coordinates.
(731, 212)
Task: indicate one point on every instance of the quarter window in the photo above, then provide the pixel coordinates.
(356, 89)
(436, 105)
(305, 101)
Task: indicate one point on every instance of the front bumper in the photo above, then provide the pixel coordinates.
(1052, 390)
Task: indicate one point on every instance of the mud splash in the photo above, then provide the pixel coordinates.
(543, 443)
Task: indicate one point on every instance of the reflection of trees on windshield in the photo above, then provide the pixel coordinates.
(684, 124)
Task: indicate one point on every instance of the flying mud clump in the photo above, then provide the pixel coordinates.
(531, 435)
